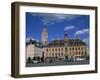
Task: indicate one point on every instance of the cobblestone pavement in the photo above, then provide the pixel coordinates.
(57, 63)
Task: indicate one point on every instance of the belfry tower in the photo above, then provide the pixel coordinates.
(44, 36)
(65, 36)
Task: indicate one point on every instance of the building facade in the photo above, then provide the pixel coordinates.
(33, 49)
(66, 48)
(55, 53)
(57, 50)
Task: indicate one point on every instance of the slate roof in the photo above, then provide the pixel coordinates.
(58, 43)
(37, 44)
(70, 42)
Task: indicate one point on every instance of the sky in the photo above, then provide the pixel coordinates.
(76, 26)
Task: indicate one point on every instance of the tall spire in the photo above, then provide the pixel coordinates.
(65, 35)
(44, 36)
(65, 38)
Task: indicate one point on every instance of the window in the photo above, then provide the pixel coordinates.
(55, 49)
(52, 49)
(62, 49)
(76, 48)
(59, 49)
(85, 52)
(66, 49)
(73, 48)
(59, 54)
(79, 48)
(76, 53)
(82, 53)
(62, 54)
(52, 54)
(47, 49)
(49, 54)
(55, 54)
(79, 53)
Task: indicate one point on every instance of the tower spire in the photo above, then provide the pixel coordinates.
(44, 36)
(65, 35)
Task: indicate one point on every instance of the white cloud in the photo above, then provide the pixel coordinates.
(86, 40)
(28, 39)
(83, 31)
(69, 27)
(51, 18)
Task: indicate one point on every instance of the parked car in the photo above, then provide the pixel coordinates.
(35, 61)
(80, 59)
(50, 61)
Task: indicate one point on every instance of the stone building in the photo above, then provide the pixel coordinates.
(58, 49)
(66, 48)
(33, 49)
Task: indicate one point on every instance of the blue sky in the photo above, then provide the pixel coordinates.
(77, 26)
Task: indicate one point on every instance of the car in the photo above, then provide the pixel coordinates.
(80, 59)
(70, 60)
(50, 61)
(35, 61)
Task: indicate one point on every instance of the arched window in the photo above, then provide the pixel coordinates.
(85, 52)
(81, 48)
(52, 49)
(76, 53)
(66, 49)
(52, 54)
(59, 49)
(61, 54)
(62, 49)
(55, 54)
(82, 53)
(79, 53)
(47, 49)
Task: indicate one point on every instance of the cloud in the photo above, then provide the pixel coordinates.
(52, 18)
(86, 40)
(69, 27)
(30, 38)
(83, 31)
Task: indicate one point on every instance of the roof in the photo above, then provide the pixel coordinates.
(58, 43)
(36, 43)
(70, 42)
